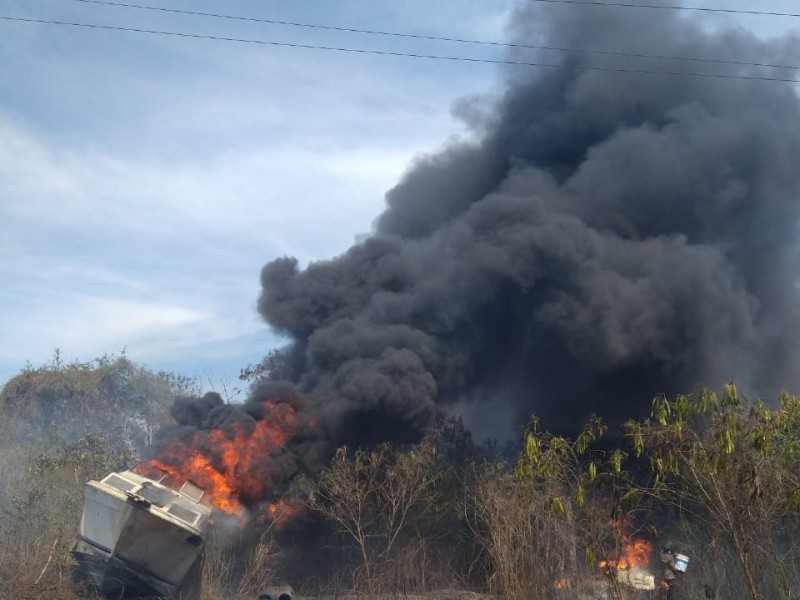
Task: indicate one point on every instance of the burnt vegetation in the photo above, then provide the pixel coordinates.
(711, 474)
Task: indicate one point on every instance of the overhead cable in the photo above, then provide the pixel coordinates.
(433, 37)
(390, 53)
(578, 2)
(673, 7)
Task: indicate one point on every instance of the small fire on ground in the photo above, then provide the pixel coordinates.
(633, 553)
(629, 568)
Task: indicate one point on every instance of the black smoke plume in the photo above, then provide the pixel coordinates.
(601, 238)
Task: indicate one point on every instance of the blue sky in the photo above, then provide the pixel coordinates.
(146, 179)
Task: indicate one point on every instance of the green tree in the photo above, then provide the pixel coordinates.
(728, 468)
(545, 524)
(109, 396)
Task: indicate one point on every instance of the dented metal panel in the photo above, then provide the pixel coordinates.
(140, 538)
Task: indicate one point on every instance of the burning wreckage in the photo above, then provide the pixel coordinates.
(138, 537)
(143, 531)
(629, 576)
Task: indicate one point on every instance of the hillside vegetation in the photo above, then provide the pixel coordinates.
(712, 475)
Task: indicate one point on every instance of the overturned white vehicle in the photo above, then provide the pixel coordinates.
(138, 537)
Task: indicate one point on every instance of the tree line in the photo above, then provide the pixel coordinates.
(713, 475)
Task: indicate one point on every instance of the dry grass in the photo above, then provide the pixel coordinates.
(231, 572)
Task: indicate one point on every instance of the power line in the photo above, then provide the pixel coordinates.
(586, 2)
(403, 54)
(667, 7)
(432, 37)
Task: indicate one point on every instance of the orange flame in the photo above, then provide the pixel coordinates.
(561, 584)
(281, 512)
(634, 553)
(234, 471)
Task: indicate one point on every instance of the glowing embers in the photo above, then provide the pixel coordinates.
(281, 512)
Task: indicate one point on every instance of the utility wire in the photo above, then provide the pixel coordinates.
(667, 7)
(389, 53)
(586, 2)
(432, 37)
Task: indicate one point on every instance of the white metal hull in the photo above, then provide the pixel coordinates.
(127, 546)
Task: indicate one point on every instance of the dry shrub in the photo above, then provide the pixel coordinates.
(40, 513)
(240, 570)
(41, 500)
(259, 572)
(524, 541)
(384, 504)
(217, 566)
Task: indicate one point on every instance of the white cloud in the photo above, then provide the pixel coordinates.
(88, 326)
(105, 252)
(145, 180)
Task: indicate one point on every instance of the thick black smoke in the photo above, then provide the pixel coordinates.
(602, 238)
